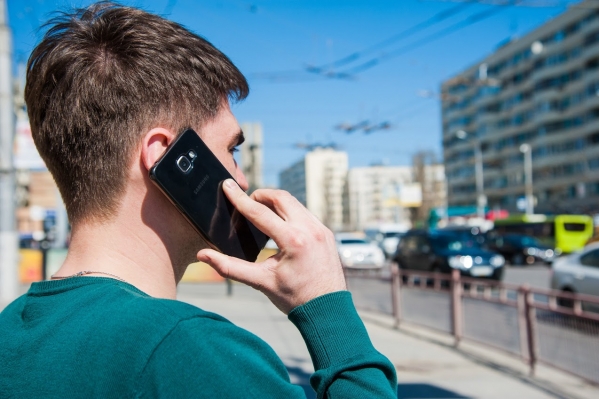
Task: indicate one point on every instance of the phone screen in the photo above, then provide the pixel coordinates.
(191, 176)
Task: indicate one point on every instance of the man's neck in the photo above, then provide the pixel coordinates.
(133, 253)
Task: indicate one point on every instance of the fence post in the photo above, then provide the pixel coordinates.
(521, 306)
(530, 328)
(526, 323)
(456, 305)
(395, 294)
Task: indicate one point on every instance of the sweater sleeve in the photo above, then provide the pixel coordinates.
(346, 363)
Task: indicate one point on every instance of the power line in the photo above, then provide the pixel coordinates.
(350, 73)
(411, 109)
(435, 19)
(295, 75)
(472, 19)
(524, 3)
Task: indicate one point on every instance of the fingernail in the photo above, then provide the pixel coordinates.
(229, 183)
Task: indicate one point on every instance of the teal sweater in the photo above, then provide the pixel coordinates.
(93, 337)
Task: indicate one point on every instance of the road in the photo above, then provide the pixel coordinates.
(537, 276)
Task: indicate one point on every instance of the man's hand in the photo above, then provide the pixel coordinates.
(307, 265)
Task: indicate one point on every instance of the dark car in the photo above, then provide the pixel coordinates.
(443, 251)
(468, 232)
(520, 249)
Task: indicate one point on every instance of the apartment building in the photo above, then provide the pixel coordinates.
(541, 90)
(318, 181)
(380, 194)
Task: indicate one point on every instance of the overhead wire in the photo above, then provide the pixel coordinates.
(524, 3)
(351, 72)
(296, 75)
(470, 20)
(435, 19)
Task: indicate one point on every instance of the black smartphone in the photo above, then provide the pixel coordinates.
(191, 176)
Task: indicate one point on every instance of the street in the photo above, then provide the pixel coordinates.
(537, 275)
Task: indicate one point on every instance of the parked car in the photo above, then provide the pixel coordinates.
(389, 242)
(467, 232)
(520, 249)
(359, 252)
(577, 272)
(443, 251)
(387, 236)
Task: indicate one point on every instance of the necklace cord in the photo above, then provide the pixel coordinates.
(83, 273)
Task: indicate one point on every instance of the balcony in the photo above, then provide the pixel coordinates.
(590, 51)
(590, 27)
(548, 117)
(554, 93)
(556, 70)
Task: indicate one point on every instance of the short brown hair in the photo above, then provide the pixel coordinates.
(103, 75)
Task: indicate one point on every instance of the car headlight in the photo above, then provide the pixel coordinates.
(531, 251)
(346, 253)
(549, 253)
(460, 262)
(497, 260)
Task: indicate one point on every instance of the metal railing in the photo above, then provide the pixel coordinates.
(547, 326)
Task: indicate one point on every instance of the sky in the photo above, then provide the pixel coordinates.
(403, 50)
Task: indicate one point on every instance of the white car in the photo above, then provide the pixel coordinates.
(359, 253)
(390, 242)
(578, 272)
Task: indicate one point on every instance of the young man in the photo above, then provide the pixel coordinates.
(108, 89)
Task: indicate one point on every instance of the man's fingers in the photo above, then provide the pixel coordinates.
(235, 269)
(260, 215)
(283, 203)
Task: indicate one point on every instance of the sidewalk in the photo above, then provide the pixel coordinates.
(427, 364)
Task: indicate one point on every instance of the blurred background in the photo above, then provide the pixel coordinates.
(455, 138)
(379, 116)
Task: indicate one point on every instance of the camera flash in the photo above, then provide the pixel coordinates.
(191, 154)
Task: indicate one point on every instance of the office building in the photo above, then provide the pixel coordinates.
(539, 93)
(318, 181)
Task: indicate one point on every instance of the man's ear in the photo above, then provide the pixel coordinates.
(153, 145)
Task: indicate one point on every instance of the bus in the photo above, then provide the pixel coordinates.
(565, 233)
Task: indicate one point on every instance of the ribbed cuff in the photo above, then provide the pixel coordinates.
(331, 328)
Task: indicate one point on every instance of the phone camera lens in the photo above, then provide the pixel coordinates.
(184, 164)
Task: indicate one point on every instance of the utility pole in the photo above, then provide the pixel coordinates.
(529, 195)
(481, 199)
(9, 239)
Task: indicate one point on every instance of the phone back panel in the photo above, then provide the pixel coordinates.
(198, 194)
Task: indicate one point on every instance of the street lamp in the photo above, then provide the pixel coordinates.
(481, 199)
(527, 151)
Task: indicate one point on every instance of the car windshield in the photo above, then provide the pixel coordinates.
(455, 243)
(353, 241)
(390, 234)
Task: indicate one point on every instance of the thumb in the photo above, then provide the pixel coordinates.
(234, 268)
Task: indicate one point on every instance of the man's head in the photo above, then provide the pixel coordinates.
(104, 76)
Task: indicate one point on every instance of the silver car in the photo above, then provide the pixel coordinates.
(577, 272)
(360, 253)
